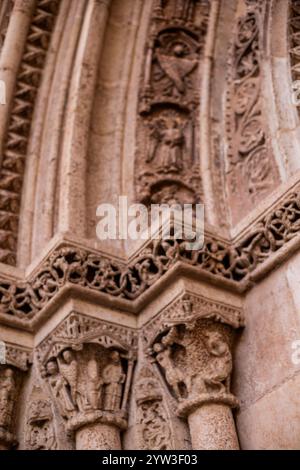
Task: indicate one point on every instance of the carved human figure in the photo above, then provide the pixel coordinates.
(69, 369)
(220, 365)
(173, 375)
(7, 397)
(94, 385)
(60, 388)
(177, 66)
(166, 145)
(113, 377)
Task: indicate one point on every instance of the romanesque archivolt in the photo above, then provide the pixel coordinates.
(15, 144)
(252, 171)
(167, 160)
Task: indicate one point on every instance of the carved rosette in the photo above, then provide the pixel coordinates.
(193, 351)
(16, 362)
(88, 366)
(251, 169)
(167, 161)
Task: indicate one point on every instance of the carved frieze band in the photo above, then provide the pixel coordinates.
(88, 365)
(251, 169)
(18, 131)
(78, 267)
(167, 160)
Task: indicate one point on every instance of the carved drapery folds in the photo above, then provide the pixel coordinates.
(88, 365)
(19, 124)
(167, 161)
(152, 417)
(251, 169)
(191, 344)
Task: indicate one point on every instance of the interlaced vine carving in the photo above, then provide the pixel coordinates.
(18, 131)
(73, 266)
(252, 171)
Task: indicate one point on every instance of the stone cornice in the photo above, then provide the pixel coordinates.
(234, 266)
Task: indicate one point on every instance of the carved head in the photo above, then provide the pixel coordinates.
(52, 367)
(158, 347)
(68, 356)
(115, 357)
(8, 373)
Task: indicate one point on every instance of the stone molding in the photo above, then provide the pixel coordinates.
(15, 142)
(273, 237)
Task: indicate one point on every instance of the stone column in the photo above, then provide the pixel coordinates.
(98, 437)
(212, 427)
(194, 356)
(89, 375)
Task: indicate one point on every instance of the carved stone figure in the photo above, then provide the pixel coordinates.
(7, 397)
(166, 147)
(174, 376)
(94, 385)
(113, 377)
(60, 389)
(177, 65)
(220, 366)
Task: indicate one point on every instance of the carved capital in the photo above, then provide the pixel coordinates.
(88, 366)
(192, 348)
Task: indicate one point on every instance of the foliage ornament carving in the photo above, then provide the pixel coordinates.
(252, 171)
(40, 431)
(74, 266)
(167, 160)
(152, 415)
(193, 351)
(88, 366)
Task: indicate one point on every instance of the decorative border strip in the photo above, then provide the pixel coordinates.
(71, 265)
(18, 131)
